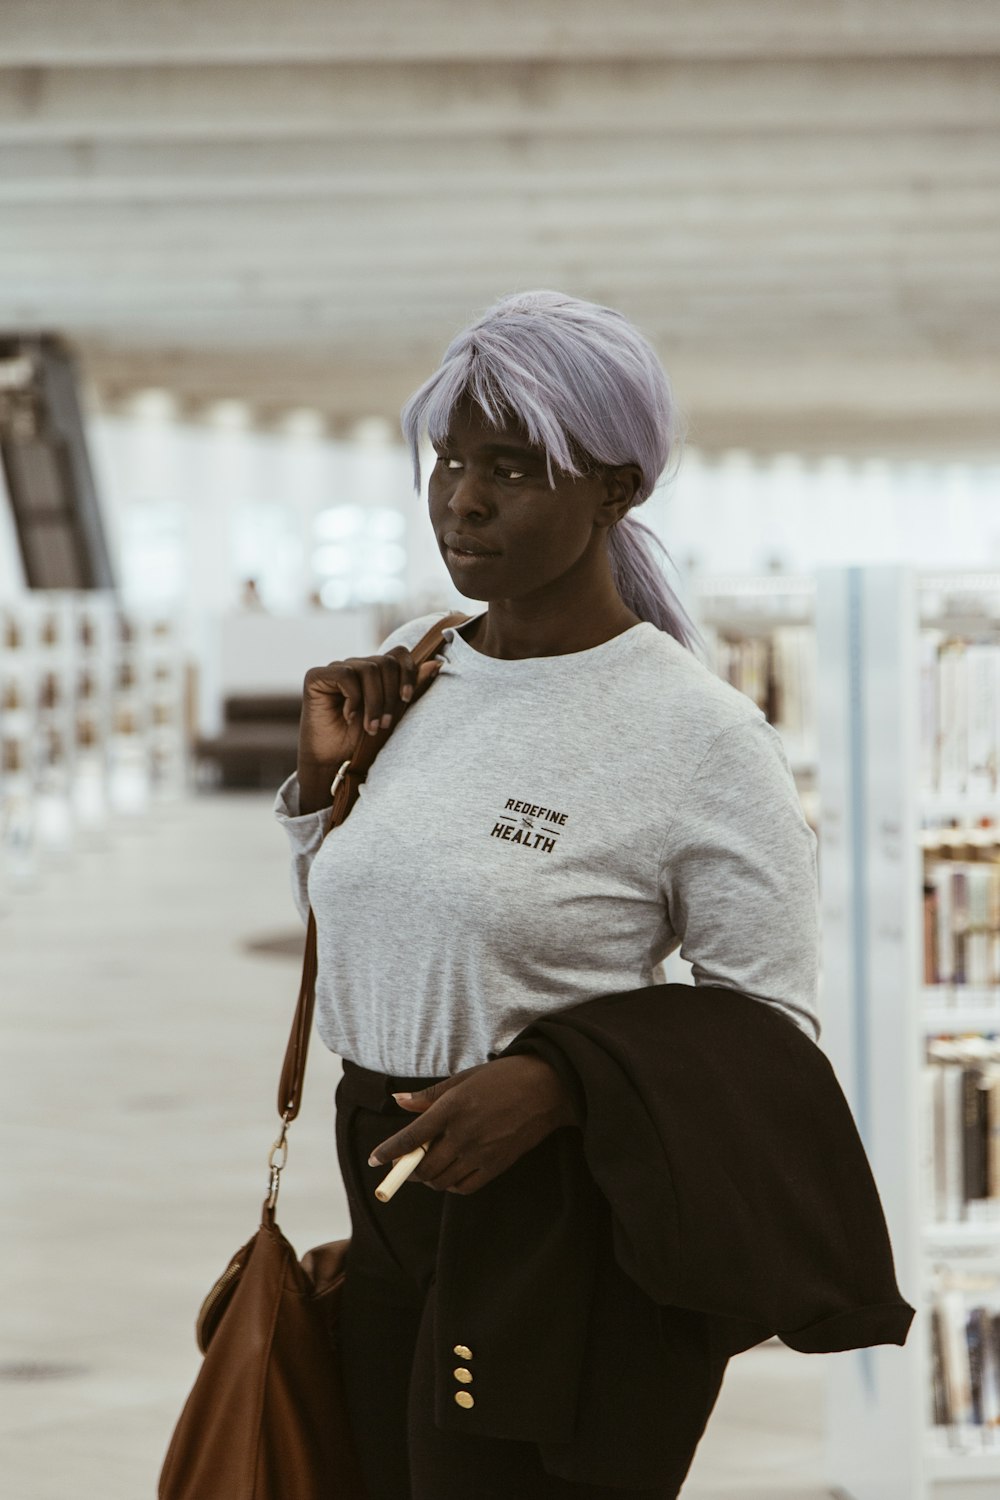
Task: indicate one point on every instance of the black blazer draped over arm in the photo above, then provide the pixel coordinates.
(715, 1192)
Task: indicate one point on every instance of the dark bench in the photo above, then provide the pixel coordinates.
(258, 743)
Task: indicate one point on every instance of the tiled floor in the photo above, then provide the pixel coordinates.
(140, 1056)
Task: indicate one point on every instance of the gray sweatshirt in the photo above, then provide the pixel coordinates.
(540, 831)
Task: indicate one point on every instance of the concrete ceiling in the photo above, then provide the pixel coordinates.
(300, 203)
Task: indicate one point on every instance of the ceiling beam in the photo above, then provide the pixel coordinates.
(947, 271)
(847, 318)
(927, 167)
(909, 407)
(91, 31)
(898, 222)
(944, 268)
(753, 382)
(368, 100)
(851, 329)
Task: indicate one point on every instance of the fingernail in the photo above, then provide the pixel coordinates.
(373, 1160)
(386, 720)
(398, 1097)
(406, 693)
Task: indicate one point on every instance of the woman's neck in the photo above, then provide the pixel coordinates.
(511, 636)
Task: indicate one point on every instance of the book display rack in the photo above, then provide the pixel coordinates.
(92, 723)
(909, 741)
(761, 635)
(147, 742)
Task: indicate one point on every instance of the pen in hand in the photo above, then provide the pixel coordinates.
(401, 1170)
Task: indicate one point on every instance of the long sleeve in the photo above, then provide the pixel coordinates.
(738, 871)
(306, 830)
(305, 834)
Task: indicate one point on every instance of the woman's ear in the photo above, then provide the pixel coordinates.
(621, 486)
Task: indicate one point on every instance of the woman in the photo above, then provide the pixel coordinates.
(576, 797)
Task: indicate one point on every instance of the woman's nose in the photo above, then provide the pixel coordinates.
(467, 496)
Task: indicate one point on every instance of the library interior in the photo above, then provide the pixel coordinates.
(235, 239)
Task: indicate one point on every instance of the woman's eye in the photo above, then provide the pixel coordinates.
(503, 471)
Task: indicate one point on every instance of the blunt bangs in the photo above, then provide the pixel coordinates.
(578, 377)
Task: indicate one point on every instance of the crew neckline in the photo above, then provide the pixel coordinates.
(469, 656)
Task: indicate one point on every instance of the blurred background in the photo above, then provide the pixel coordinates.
(233, 238)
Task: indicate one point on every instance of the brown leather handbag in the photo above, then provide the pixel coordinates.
(266, 1418)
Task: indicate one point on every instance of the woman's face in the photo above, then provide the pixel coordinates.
(489, 492)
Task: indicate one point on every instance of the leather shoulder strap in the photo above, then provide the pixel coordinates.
(353, 774)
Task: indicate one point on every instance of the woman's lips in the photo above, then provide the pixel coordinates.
(467, 559)
(464, 550)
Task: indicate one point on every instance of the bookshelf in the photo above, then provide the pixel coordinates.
(760, 632)
(908, 720)
(92, 724)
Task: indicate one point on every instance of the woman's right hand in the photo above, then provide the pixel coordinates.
(345, 700)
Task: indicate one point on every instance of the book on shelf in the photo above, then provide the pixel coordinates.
(960, 714)
(939, 1390)
(961, 907)
(961, 1097)
(965, 1356)
(777, 669)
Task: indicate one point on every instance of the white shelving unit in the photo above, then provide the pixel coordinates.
(878, 1013)
(775, 612)
(758, 607)
(92, 724)
(96, 642)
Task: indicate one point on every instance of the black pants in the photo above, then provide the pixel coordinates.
(386, 1330)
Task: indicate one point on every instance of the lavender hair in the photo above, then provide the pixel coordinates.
(584, 382)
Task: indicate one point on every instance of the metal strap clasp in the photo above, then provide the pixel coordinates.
(276, 1166)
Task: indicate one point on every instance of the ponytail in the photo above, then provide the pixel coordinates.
(639, 579)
